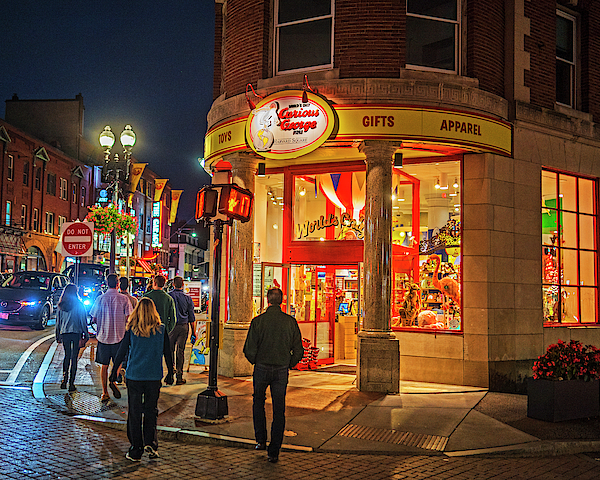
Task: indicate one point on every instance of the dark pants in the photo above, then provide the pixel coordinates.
(178, 337)
(275, 377)
(70, 343)
(142, 399)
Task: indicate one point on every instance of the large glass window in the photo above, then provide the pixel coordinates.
(304, 34)
(432, 34)
(565, 58)
(569, 249)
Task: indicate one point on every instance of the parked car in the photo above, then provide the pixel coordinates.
(31, 298)
(91, 281)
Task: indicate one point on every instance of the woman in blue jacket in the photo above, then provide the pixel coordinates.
(147, 343)
(71, 326)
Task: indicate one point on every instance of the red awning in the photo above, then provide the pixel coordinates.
(145, 265)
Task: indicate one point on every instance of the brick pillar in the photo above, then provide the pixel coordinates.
(378, 349)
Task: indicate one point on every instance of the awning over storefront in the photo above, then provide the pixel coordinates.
(11, 242)
(145, 265)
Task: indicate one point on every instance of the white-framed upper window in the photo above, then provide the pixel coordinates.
(303, 35)
(433, 34)
(11, 167)
(566, 55)
(61, 220)
(64, 188)
(23, 216)
(36, 220)
(49, 223)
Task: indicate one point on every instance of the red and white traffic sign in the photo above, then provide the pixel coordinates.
(77, 238)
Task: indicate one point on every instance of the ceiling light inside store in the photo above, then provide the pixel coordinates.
(455, 184)
(437, 183)
(275, 226)
(302, 191)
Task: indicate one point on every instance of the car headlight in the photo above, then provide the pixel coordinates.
(27, 304)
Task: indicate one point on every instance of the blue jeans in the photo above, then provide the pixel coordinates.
(275, 377)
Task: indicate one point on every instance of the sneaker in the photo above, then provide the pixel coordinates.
(152, 453)
(115, 390)
(181, 381)
(63, 384)
(132, 456)
(72, 387)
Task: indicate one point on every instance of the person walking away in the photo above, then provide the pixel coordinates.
(147, 343)
(124, 289)
(273, 346)
(71, 326)
(184, 309)
(110, 312)
(165, 305)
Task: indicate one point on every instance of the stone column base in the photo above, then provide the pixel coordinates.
(232, 362)
(378, 363)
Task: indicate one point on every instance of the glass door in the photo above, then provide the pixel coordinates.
(269, 275)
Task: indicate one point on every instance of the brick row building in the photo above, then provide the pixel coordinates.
(50, 175)
(425, 178)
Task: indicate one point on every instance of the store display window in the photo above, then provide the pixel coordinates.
(569, 249)
(426, 250)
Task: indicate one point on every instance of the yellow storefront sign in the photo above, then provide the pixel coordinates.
(407, 124)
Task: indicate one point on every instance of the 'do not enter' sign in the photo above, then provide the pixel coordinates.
(77, 238)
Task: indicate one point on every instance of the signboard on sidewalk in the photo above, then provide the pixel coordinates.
(77, 238)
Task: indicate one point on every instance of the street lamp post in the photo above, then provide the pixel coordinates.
(114, 172)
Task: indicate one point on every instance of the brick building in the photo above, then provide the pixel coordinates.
(50, 175)
(426, 190)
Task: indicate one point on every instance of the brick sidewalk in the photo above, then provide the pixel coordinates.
(40, 442)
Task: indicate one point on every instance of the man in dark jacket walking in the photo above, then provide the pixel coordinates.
(184, 309)
(273, 346)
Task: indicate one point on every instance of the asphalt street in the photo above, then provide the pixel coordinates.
(40, 442)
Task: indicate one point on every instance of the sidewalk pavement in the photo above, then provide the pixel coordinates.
(325, 412)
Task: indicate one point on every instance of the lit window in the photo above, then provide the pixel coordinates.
(82, 197)
(432, 34)
(8, 209)
(569, 251)
(304, 35)
(566, 34)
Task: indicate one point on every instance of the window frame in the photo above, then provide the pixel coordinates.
(8, 213)
(574, 65)
(49, 222)
(38, 179)
(36, 220)
(10, 165)
(559, 249)
(64, 189)
(51, 184)
(83, 196)
(23, 216)
(276, 28)
(26, 174)
(457, 44)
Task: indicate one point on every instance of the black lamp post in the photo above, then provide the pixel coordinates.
(115, 171)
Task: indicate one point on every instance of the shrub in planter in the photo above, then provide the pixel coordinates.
(565, 383)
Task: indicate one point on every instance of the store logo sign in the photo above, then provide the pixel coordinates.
(283, 126)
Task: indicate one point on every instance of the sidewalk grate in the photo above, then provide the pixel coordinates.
(82, 403)
(419, 440)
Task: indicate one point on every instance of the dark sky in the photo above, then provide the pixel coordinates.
(147, 63)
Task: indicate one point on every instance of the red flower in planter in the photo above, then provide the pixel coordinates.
(568, 361)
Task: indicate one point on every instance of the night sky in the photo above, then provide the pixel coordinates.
(148, 64)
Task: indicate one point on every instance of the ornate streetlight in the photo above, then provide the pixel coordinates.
(115, 172)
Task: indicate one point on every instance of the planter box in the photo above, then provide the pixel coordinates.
(556, 401)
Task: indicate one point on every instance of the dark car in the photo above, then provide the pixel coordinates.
(30, 298)
(91, 280)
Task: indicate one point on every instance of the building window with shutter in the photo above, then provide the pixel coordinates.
(433, 34)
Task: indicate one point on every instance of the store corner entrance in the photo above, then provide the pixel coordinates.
(324, 299)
